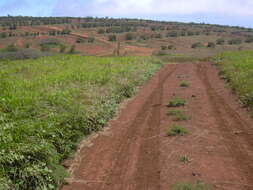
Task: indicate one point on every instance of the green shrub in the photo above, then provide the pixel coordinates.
(177, 115)
(90, 39)
(176, 130)
(234, 41)
(211, 45)
(184, 84)
(176, 102)
(129, 36)
(249, 40)
(163, 47)
(197, 45)
(112, 38)
(220, 41)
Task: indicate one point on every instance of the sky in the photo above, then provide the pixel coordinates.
(225, 12)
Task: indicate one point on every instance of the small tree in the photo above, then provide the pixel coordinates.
(101, 31)
(197, 45)
(112, 38)
(129, 36)
(163, 47)
(220, 41)
(211, 45)
(91, 39)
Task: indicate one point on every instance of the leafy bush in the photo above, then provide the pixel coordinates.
(112, 38)
(234, 41)
(90, 39)
(211, 45)
(129, 36)
(197, 45)
(249, 40)
(172, 34)
(184, 84)
(220, 41)
(47, 106)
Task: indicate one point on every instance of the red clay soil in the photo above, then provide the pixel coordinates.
(134, 153)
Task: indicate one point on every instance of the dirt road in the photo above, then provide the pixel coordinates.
(134, 153)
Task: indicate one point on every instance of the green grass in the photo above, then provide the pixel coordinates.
(184, 84)
(177, 115)
(176, 102)
(237, 68)
(185, 159)
(189, 186)
(176, 130)
(48, 105)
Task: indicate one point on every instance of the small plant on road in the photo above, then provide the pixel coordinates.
(177, 130)
(184, 84)
(176, 102)
(188, 186)
(185, 159)
(177, 115)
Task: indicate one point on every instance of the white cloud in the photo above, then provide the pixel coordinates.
(167, 7)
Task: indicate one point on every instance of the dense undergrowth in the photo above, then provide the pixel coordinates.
(48, 105)
(237, 68)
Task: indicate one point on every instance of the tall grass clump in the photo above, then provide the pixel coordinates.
(48, 105)
(237, 68)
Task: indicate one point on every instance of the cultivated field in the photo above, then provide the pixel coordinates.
(64, 125)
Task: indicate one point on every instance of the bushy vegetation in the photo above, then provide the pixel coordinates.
(47, 106)
(197, 45)
(176, 102)
(176, 130)
(237, 68)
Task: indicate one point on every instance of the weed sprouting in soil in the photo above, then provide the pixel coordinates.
(176, 102)
(176, 130)
(185, 159)
(184, 84)
(177, 115)
(189, 186)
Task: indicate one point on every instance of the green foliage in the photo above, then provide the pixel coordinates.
(177, 115)
(47, 105)
(176, 130)
(197, 45)
(237, 69)
(184, 84)
(211, 45)
(220, 41)
(91, 39)
(112, 38)
(234, 41)
(129, 36)
(185, 159)
(176, 102)
(188, 186)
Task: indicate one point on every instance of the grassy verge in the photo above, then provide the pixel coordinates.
(48, 105)
(237, 68)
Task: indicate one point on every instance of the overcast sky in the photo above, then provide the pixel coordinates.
(228, 12)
